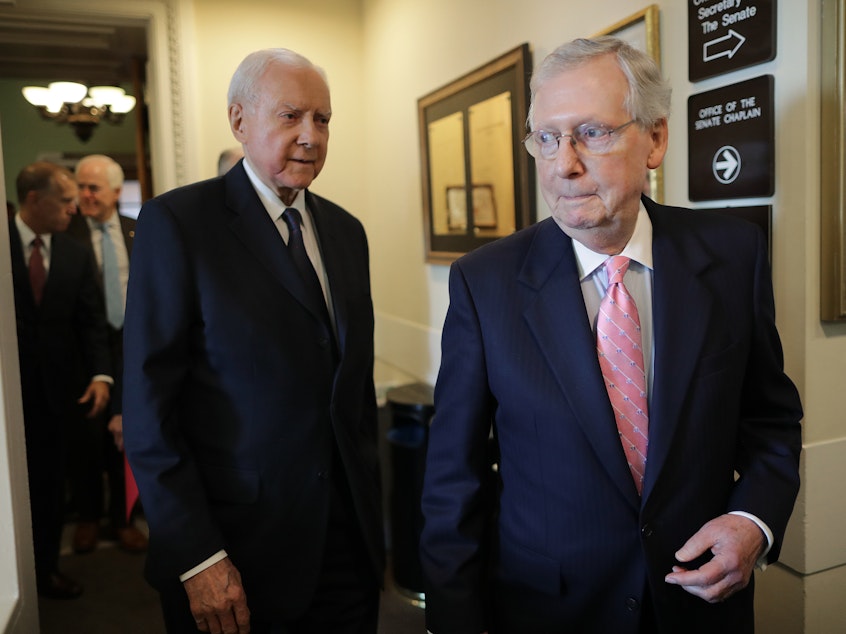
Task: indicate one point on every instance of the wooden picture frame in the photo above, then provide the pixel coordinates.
(833, 163)
(643, 31)
(477, 181)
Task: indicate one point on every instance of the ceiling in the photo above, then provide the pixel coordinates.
(36, 45)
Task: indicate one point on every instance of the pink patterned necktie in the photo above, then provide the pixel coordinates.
(618, 344)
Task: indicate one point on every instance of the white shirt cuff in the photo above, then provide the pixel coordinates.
(208, 563)
(761, 564)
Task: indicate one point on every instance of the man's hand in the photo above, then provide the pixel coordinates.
(97, 393)
(115, 426)
(217, 599)
(736, 543)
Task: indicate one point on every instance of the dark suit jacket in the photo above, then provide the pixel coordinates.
(519, 354)
(80, 231)
(235, 397)
(62, 342)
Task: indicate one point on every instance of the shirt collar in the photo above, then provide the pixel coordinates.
(28, 235)
(93, 223)
(272, 203)
(638, 248)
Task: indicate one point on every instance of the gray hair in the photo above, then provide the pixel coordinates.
(648, 98)
(242, 87)
(114, 172)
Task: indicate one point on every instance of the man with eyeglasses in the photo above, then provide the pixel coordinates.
(624, 357)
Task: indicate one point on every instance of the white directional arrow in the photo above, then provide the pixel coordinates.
(722, 46)
(726, 164)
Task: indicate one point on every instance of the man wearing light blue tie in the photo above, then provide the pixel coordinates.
(109, 235)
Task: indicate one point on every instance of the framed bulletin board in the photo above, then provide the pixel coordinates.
(477, 182)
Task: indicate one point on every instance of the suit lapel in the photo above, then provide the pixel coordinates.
(558, 320)
(60, 268)
(127, 227)
(682, 306)
(254, 228)
(20, 269)
(332, 249)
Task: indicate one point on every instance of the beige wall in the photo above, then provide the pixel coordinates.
(329, 32)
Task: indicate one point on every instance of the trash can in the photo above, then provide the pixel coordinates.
(411, 407)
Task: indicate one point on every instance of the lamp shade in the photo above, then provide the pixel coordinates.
(106, 95)
(68, 91)
(36, 95)
(123, 105)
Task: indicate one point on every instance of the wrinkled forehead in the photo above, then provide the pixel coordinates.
(299, 87)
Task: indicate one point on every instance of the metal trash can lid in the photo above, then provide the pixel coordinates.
(418, 396)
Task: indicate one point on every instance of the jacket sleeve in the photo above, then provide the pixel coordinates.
(769, 439)
(161, 312)
(456, 502)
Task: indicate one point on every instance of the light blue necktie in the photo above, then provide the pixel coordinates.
(111, 279)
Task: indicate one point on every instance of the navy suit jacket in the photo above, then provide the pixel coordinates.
(235, 396)
(62, 341)
(80, 230)
(563, 519)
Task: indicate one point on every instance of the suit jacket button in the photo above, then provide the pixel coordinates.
(322, 475)
(646, 531)
(632, 604)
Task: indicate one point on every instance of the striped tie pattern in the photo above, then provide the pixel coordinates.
(618, 345)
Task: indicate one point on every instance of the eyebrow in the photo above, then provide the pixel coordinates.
(297, 109)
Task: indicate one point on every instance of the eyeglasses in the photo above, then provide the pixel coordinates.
(596, 138)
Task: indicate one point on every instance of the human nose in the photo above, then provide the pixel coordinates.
(309, 134)
(567, 161)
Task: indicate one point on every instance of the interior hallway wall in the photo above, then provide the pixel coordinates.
(328, 32)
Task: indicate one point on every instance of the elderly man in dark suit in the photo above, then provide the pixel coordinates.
(249, 406)
(64, 359)
(626, 358)
(98, 447)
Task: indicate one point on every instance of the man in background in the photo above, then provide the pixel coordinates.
(64, 358)
(98, 446)
(227, 159)
(625, 356)
(250, 411)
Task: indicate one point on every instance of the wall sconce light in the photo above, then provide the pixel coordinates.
(79, 106)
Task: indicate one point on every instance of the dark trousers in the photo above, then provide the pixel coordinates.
(92, 455)
(347, 597)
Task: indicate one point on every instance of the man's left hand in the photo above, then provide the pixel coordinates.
(97, 393)
(736, 543)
